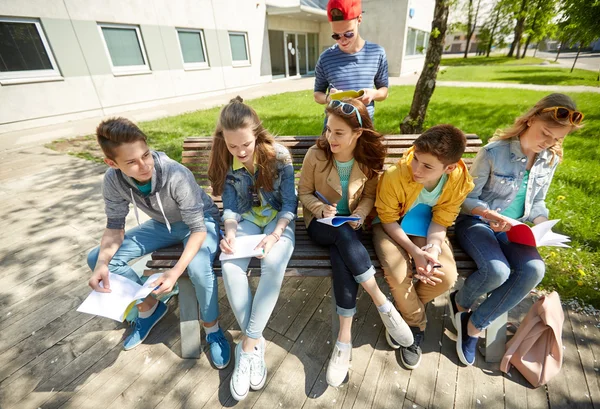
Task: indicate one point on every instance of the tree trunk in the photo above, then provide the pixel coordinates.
(519, 28)
(491, 42)
(472, 27)
(576, 57)
(469, 33)
(413, 122)
(533, 27)
(536, 48)
(526, 45)
(560, 47)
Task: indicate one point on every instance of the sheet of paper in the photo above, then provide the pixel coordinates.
(112, 305)
(244, 247)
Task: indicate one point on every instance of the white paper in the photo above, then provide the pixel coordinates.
(114, 304)
(244, 247)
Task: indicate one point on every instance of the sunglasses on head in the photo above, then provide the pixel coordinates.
(347, 34)
(562, 113)
(347, 109)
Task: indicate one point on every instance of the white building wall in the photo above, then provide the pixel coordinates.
(421, 20)
(88, 86)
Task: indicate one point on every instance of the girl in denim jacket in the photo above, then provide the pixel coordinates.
(255, 177)
(512, 175)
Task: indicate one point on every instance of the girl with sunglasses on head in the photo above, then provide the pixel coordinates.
(339, 177)
(255, 177)
(512, 175)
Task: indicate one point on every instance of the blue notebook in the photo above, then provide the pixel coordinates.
(337, 221)
(416, 221)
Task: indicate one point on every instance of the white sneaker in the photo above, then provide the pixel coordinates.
(397, 327)
(338, 365)
(258, 366)
(240, 379)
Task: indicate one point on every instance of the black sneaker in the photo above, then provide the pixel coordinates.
(411, 356)
(453, 307)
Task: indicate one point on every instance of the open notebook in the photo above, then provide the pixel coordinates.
(539, 235)
(337, 221)
(123, 296)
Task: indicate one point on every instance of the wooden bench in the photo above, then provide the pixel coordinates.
(308, 259)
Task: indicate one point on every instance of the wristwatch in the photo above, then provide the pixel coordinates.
(431, 245)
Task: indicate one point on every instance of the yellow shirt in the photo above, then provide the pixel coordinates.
(397, 191)
(259, 215)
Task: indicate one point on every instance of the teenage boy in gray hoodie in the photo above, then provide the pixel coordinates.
(180, 211)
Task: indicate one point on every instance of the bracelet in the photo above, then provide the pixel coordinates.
(277, 236)
(431, 245)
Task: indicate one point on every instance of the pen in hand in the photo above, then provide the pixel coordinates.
(322, 198)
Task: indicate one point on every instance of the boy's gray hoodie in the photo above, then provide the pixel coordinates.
(175, 196)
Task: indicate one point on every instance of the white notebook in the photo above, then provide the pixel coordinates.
(123, 296)
(244, 247)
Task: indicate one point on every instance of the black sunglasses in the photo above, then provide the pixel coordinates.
(347, 34)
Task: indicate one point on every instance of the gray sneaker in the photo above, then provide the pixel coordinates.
(397, 327)
(258, 366)
(338, 365)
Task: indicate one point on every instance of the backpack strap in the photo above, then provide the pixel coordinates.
(516, 340)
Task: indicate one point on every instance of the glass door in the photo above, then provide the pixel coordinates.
(302, 54)
(291, 55)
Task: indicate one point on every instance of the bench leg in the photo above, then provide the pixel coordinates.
(189, 325)
(335, 320)
(495, 339)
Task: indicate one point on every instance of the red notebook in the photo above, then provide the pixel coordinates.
(539, 235)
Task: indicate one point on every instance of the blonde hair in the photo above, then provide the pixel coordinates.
(521, 123)
(237, 115)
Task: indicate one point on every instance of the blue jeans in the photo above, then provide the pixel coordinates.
(506, 270)
(252, 315)
(151, 236)
(350, 262)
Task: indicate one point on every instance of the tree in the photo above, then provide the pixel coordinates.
(520, 16)
(471, 23)
(541, 21)
(497, 26)
(413, 122)
(580, 22)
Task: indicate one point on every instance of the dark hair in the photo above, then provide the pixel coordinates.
(237, 115)
(370, 151)
(115, 132)
(446, 142)
(336, 15)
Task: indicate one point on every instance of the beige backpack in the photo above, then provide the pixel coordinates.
(536, 349)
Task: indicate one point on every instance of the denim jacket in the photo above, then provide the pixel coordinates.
(237, 190)
(498, 172)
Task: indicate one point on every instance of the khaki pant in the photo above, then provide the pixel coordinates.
(411, 298)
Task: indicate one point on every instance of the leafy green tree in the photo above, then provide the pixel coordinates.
(539, 21)
(580, 23)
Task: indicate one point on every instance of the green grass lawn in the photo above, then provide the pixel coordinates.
(493, 60)
(527, 74)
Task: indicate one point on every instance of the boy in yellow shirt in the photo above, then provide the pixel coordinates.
(430, 181)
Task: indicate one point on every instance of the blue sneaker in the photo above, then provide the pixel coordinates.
(142, 327)
(466, 346)
(220, 352)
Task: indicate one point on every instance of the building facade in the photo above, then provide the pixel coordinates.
(63, 60)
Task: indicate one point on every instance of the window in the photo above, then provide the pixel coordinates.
(24, 51)
(125, 49)
(416, 42)
(193, 48)
(239, 49)
(456, 38)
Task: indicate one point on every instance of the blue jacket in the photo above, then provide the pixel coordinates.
(237, 190)
(498, 172)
